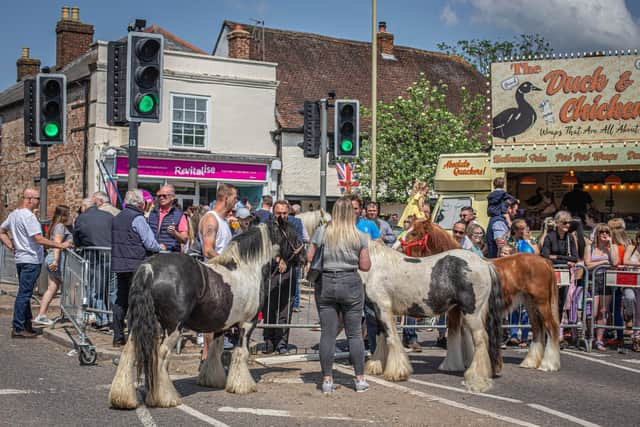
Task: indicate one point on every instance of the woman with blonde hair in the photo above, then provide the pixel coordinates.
(602, 251)
(59, 232)
(415, 204)
(344, 251)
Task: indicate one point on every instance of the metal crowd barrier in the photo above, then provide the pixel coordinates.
(88, 291)
(614, 282)
(8, 273)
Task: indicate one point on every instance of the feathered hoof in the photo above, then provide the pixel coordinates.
(123, 398)
(529, 364)
(397, 374)
(373, 367)
(548, 366)
(242, 387)
(163, 402)
(478, 384)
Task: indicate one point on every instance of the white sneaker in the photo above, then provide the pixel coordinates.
(42, 319)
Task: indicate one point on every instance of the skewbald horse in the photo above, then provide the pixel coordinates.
(426, 287)
(171, 291)
(525, 279)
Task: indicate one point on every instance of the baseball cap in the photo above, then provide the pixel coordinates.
(242, 213)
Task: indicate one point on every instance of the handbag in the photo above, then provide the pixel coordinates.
(315, 270)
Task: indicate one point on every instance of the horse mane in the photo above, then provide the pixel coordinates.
(250, 246)
(311, 220)
(379, 250)
(439, 239)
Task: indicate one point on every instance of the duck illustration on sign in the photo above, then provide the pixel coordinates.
(514, 121)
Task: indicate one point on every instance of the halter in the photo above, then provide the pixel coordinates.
(422, 244)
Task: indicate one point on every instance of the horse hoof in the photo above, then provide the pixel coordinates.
(242, 388)
(549, 366)
(397, 376)
(528, 364)
(478, 385)
(373, 367)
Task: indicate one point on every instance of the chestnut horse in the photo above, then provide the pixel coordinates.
(525, 279)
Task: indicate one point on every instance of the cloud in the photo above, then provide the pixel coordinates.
(448, 15)
(568, 25)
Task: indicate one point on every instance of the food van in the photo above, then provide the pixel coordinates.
(463, 179)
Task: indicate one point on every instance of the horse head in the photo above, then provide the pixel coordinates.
(425, 238)
(258, 245)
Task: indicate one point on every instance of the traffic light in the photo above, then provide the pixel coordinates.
(144, 77)
(117, 83)
(347, 128)
(51, 104)
(29, 115)
(311, 130)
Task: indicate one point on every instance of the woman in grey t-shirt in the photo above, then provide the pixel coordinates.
(340, 290)
(59, 232)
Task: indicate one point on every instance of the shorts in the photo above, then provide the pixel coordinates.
(49, 260)
(599, 288)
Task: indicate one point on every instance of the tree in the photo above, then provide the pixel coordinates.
(481, 53)
(412, 133)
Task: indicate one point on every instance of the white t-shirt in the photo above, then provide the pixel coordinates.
(23, 225)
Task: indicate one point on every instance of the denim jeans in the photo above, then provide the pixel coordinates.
(519, 316)
(372, 327)
(27, 277)
(409, 335)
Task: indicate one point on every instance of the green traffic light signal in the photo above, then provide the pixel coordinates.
(346, 145)
(51, 129)
(146, 103)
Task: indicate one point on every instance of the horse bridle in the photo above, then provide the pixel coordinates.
(286, 238)
(422, 244)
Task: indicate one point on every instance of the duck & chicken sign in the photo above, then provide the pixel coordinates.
(558, 101)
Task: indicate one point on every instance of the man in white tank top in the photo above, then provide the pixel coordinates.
(215, 234)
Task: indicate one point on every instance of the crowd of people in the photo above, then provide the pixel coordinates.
(141, 229)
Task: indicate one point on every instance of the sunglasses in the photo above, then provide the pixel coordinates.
(458, 232)
(604, 232)
(162, 196)
(36, 198)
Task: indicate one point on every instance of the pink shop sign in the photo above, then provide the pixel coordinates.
(194, 170)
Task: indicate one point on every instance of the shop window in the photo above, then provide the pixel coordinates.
(189, 121)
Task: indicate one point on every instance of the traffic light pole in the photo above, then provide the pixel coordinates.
(323, 154)
(132, 181)
(44, 174)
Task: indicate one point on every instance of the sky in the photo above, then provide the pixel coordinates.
(569, 25)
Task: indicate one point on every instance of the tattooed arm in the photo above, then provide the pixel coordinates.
(209, 231)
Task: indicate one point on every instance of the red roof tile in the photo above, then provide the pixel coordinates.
(309, 65)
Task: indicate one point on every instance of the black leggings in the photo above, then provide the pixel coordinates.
(335, 293)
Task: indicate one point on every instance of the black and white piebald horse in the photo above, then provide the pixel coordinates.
(427, 287)
(172, 291)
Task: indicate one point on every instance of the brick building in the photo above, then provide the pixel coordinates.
(217, 119)
(309, 65)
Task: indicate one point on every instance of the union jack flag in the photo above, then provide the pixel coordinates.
(345, 177)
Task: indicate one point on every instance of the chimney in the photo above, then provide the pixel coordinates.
(27, 66)
(73, 38)
(239, 42)
(385, 40)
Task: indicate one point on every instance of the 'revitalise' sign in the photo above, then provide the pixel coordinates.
(555, 101)
(167, 168)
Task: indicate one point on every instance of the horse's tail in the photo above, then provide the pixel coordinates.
(142, 323)
(493, 323)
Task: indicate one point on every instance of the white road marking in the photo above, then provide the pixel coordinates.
(562, 415)
(454, 404)
(288, 414)
(592, 354)
(637, 361)
(145, 416)
(602, 362)
(8, 391)
(282, 380)
(465, 391)
(202, 417)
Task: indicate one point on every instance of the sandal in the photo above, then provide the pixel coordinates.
(523, 344)
(600, 346)
(513, 342)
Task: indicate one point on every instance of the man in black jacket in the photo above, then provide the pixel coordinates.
(93, 229)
